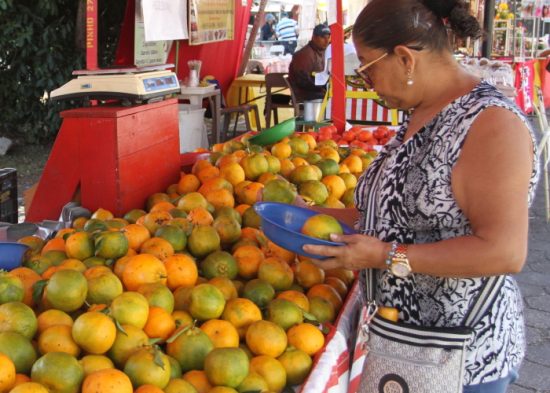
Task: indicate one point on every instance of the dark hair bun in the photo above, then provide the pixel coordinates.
(456, 11)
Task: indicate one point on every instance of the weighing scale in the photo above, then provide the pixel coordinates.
(137, 85)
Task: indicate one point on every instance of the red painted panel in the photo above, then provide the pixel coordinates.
(60, 178)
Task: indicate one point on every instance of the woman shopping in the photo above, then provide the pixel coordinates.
(445, 204)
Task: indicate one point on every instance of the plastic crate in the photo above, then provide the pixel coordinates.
(8, 195)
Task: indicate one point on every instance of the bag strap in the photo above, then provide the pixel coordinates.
(484, 301)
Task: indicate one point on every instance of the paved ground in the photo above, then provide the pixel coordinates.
(534, 282)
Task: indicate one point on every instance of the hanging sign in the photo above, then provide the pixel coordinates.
(165, 19)
(211, 21)
(147, 53)
(524, 85)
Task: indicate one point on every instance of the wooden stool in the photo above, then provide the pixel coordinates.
(238, 110)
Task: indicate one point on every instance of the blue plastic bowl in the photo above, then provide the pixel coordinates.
(11, 255)
(282, 223)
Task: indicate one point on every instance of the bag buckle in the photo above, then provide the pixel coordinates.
(367, 313)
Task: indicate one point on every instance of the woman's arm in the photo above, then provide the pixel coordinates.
(490, 183)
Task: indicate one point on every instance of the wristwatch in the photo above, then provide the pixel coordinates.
(400, 266)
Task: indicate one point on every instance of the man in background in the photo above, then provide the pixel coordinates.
(308, 61)
(287, 32)
(268, 30)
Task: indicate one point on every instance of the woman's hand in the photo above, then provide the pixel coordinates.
(359, 252)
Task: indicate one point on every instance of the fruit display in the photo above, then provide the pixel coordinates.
(185, 294)
(363, 137)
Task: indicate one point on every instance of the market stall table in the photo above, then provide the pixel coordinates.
(196, 95)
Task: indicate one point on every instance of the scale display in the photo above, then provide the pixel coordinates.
(135, 85)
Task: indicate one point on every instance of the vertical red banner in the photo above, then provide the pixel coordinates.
(91, 35)
(338, 81)
(525, 74)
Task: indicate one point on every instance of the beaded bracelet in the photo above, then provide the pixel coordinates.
(391, 253)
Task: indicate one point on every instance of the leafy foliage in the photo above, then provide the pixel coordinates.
(38, 52)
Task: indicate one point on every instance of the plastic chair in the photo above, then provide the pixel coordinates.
(273, 100)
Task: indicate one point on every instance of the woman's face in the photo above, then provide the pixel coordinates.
(386, 75)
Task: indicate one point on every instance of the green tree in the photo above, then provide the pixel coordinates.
(39, 49)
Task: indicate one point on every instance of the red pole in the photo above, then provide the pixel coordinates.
(338, 82)
(91, 35)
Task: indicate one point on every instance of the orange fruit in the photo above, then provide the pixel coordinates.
(297, 365)
(79, 245)
(281, 150)
(156, 198)
(58, 372)
(354, 163)
(222, 333)
(96, 271)
(389, 313)
(271, 370)
(29, 387)
(259, 291)
(18, 317)
(103, 288)
(7, 373)
(93, 363)
(320, 226)
(226, 286)
(346, 275)
(152, 221)
(19, 349)
(219, 264)
(232, 172)
(148, 388)
(295, 297)
(179, 386)
(160, 323)
(335, 185)
(55, 244)
(203, 240)
(20, 379)
(277, 273)
(306, 337)
(222, 389)
(182, 298)
(253, 382)
(329, 152)
(228, 228)
(337, 284)
(188, 183)
(254, 165)
(206, 302)
(307, 274)
(198, 379)
(102, 214)
(175, 368)
(322, 309)
(327, 292)
(158, 295)
(273, 250)
(241, 208)
(133, 215)
(200, 216)
(266, 338)
(191, 201)
(107, 381)
(190, 349)
(287, 166)
(162, 206)
(143, 269)
(241, 313)
(52, 317)
(200, 164)
(34, 242)
(28, 277)
(143, 368)
(299, 161)
(130, 308)
(250, 193)
(284, 313)
(126, 343)
(94, 332)
(58, 338)
(248, 260)
(226, 366)
(182, 318)
(208, 172)
(181, 271)
(158, 247)
(266, 178)
(174, 235)
(136, 235)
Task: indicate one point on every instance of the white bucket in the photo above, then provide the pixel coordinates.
(192, 128)
(312, 109)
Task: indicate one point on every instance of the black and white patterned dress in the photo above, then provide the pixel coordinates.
(408, 190)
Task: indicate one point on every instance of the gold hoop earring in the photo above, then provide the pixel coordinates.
(410, 81)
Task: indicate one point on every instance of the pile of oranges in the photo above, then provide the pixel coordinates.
(185, 295)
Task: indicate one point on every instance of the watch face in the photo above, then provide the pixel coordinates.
(400, 269)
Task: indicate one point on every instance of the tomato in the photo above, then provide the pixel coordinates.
(348, 136)
(330, 129)
(365, 136)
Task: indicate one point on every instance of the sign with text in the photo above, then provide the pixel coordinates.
(147, 53)
(211, 21)
(165, 19)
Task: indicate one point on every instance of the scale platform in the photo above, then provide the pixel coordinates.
(137, 85)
